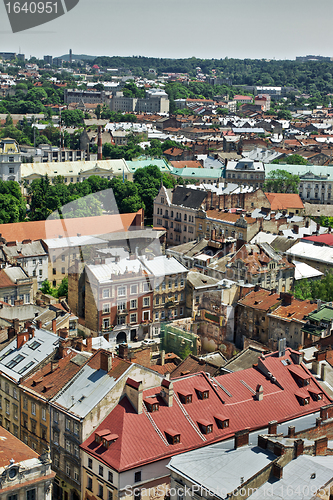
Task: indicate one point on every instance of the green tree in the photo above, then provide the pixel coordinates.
(63, 288)
(281, 181)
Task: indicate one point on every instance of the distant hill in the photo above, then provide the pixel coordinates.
(83, 57)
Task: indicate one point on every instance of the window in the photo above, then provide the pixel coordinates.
(41, 272)
(56, 417)
(68, 446)
(106, 308)
(7, 407)
(15, 393)
(68, 424)
(100, 491)
(76, 474)
(121, 292)
(33, 408)
(63, 258)
(106, 323)
(133, 304)
(15, 409)
(133, 318)
(15, 361)
(31, 494)
(121, 306)
(25, 403)
(110, 495)
(89, 485)
(68, 469)
(90, 463)
(146, 287)
(137, 476)
(76, 428)
(134, 289)
(146, 301)
(62, 270)
(56, 437)
(106, 293)
(34, 273)
(33, 426)
(56, 459)
(100, 470)
(110, 477)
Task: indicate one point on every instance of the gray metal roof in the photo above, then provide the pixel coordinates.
(297, 479)
(219, 470)
(32, 354)
(85, 390)
(164, 266)
(199, 280)
(35, 248)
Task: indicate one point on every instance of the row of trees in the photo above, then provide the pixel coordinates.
(315, 289)
(72, 200)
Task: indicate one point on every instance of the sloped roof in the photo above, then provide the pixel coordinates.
(193, 364)
(13, 448)
(326, 239)
(296, 311)
(190, 198)
(284, 201)
(231, 394)
(260, 299)
(37, 230)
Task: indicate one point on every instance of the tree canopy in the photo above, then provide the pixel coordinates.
(281, 181)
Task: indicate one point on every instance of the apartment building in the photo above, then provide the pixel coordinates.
(10, 160)
(176, 211)
(245, 171)
(155, 101)
(21, 356)
(127, 454)
(15, 286)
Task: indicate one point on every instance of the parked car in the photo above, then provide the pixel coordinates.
(147, 342)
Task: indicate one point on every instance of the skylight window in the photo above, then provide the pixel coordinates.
(15, 361)
(6, 354)
(34, 345)
(26, 367)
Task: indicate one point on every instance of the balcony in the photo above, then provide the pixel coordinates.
(122, 312)
(179, 219)
(165, 216)
(177, 230)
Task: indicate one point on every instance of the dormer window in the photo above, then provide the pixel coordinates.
(222, 421)
(205, 426)
(100, 434)
(303, 397)
(203, 393)
(316, 393)
(152, 404)
(186, 398)
(172, 436)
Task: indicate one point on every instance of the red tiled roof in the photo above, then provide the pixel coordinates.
(13, 448)
(261, 299)
(139, 443)
(5, 280)
(53, 381)
(36, 230)
(186, 164)
(284, 201)
(295, 311)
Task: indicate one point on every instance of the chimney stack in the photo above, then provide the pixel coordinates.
(167, 392)
(39, 324)
(63, 333)
(106, 361)
(99, 144)
(89, 343)
(133, 391)
(241, 438)
(259, 393)
(123, 351)
(272, 427)
(22, 338)
(54, 326)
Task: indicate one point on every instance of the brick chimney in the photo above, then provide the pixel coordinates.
(272, 427)
(259, 393)
(277, 471)
(299, 447)
(321, 445)
(63, 333)
(133, 391)
(167, 392)
(22, 338)
(31, 331)
(106, 361)
(16, 325)
(39, 324)
(54, 365)
(54, 326)
(89, 343)
(123, 351)
(241, 438)
(291, 431)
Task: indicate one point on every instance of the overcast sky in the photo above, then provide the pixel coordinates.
(181, 28)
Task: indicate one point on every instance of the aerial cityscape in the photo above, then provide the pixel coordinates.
(166, 252)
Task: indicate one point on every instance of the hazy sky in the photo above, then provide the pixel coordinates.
(181, 28)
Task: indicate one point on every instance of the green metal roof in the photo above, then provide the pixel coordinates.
(325, 313)
(326, 173)
(141, 163)
(198, 173)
